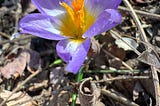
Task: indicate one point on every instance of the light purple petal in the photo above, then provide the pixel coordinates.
(41, 25)
(104, 4)
(107, 20)
(73, 53)
(96, 7)
(50, 7)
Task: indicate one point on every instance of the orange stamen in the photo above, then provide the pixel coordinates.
(77, 4)
(69, 10)
(78, 18)
(76, 12)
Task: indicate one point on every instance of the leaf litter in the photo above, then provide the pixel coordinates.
(107, 60)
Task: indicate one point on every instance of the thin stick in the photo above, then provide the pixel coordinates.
(117, 35)
(156, 84)
(21, 84)
(135, 17)
(130, 68)
(122, 78)
(146, 14)
(4, 35)
(154, 72)
(18, 39)
(118, 98)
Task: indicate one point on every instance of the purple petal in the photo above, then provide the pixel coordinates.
(105, 21)
(96, 7)
(73, 53)
(50, 7)
(105, 4)
(41, 25)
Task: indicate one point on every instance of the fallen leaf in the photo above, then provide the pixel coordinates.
(117, 52)
(17, 99)
(89, 93)
(150, 58)
(16, 62)
(126, 43)
(17, 65)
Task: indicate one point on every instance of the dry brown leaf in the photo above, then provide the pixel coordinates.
(16, 62)
(89, 93)
(150, 58)
(118, 52)
(17, 65)
(17, 99)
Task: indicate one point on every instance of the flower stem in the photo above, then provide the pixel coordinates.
(79, 77)
(74, 97)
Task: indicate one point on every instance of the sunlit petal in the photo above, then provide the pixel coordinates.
(50, 7)
(74, 53)
(107, 20)
(96, 7)
(41, 25)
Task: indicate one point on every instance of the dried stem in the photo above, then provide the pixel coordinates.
(21, 84)
(144, 38)
(122, 78)
(15, 40)
(117, 35)
(143, 13)
(130, 68)
(135, 17)
(118, 97)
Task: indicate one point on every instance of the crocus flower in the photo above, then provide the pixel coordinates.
(73, 23)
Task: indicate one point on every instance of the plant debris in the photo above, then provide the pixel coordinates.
(122, 67)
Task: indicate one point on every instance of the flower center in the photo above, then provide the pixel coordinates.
(76, 13)
(77, 20)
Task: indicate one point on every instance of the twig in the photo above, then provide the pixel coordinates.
(4, 35)
(154, 72)
(135, 17)
(122, 78)
(118, 36)
(21, 84)
(118, 97)
(17, 15)
(146, 14)
(130, 68)
(15, 40)
(156, 84)
(35, 98)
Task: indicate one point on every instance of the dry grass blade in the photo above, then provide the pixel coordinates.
(118, 98)
(135, 17)
(144, 38)
(20, 85)
(143, 13)
(122, 78)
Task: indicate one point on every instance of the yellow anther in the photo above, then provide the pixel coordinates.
(69, 10)
(77, 20)
(76, 12)
(78, 6)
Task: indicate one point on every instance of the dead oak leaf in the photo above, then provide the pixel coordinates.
(16, 66)
(17, 99)
(18, 62)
